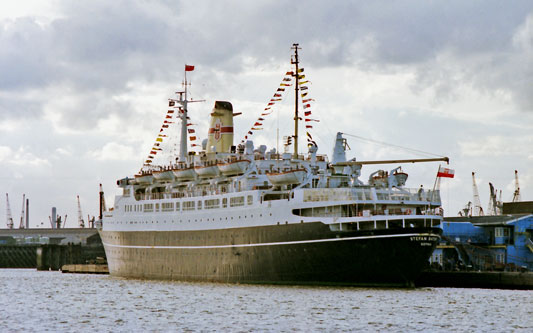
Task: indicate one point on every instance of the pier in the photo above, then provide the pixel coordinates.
(49, 249)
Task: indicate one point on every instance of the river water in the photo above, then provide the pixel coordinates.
(52, 301)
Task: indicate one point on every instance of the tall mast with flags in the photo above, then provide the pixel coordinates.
(295, 62)
(183, 113)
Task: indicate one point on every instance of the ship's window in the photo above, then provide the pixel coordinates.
(250, 199)
(167, 206)
(156, 207)
(149, 207)
(224, 202)
(275, 196)
(177, 206)
(212, 203)
(188, 205)
(199, 205)
(236, 201)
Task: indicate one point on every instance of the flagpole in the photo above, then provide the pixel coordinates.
(435, 184)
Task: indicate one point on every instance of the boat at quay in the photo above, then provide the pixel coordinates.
(246, 214)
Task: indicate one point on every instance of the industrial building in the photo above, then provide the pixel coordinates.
(496, 242)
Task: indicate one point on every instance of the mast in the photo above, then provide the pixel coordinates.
(295, 62)
(183, 112)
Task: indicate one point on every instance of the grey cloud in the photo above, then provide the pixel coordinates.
(101, 46)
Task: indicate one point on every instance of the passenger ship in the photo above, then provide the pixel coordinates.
(246, 214)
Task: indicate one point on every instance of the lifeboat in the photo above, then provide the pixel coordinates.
(401, 178)
(163, 175)
(233, 167)
(182, 172)
(206, 169)
(287, 177)
(379, 178)
(144, 178)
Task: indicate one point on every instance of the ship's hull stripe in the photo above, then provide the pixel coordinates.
(265, 244)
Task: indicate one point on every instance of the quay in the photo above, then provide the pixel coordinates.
(485, 280)
(49, 249)
(86, 269)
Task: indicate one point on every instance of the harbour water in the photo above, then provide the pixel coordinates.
(51, 301)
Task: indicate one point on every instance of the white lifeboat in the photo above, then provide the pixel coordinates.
(233, 166)
(144, 178)
(184, 172)
(287, 176)
(206, 169)
(163, 175)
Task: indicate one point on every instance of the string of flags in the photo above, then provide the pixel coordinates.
(159, 140)
(306, 101)
(173, 109)
(277, 97)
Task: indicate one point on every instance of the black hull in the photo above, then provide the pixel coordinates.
(307, 253)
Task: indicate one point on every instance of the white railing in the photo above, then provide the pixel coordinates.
(370, 194)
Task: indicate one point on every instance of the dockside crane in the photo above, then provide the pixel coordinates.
(9, 217)
(516, 195)
(493, 202)
(477, 209)
(81, 223)
(22, 225)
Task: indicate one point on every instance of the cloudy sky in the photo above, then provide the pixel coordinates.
(84, 87)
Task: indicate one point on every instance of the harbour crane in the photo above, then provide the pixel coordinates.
(477, 209)
(22, 225)
(516, 195)
(81, 223)
(467, 211)
(493, 202)
(9, 217)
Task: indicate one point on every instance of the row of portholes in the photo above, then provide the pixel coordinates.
(188, 221)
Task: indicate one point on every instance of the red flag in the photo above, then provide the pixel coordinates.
(277, 95)
(190, 130)
(165, 126)
(171, 103)
(192, 138)
(189, 68)
(168, 117)
(307, 113)
(170, 111)
(445, 172)
(307, 106)
(308, 126)
(257, 123)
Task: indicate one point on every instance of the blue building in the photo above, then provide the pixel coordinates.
(503, 242)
